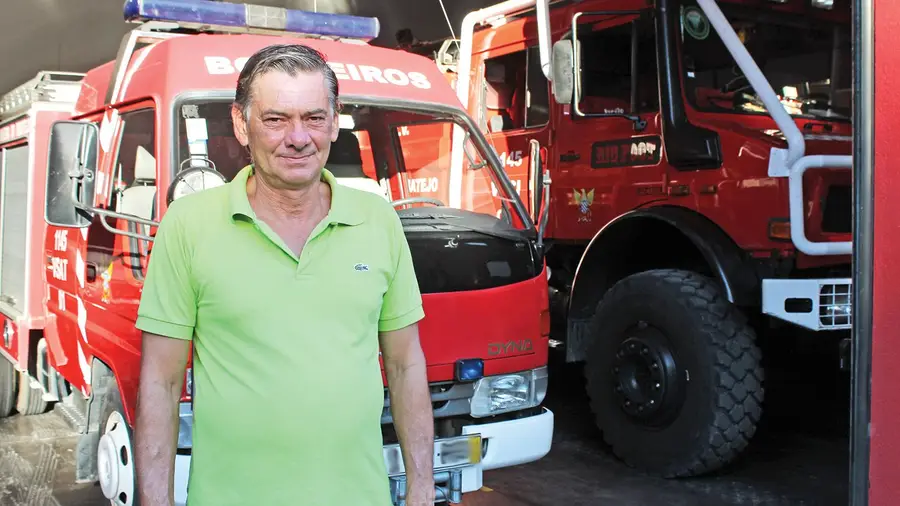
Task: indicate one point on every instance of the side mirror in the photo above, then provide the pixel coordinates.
(71, 170)
(71, 179)
(563, 71)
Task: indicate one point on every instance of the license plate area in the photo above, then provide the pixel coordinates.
(449, 453)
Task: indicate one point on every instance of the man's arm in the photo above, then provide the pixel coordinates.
(163, 362)
(167, 316)
(404, 366)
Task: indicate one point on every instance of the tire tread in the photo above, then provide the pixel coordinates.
(738, 380)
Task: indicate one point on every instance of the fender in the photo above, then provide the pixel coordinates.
(662, 236)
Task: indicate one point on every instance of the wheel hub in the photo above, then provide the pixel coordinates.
(115, 467)
(645, 377)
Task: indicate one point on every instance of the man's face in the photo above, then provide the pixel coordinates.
(289, 129)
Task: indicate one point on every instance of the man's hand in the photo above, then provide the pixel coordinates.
(163, 362)
(404, 366)
(420, 493)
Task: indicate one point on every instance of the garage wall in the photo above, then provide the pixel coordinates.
(75, 35)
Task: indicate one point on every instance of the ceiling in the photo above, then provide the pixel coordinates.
(75, 35)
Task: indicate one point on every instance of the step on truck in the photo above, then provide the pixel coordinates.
(91, 162)
(693, 157)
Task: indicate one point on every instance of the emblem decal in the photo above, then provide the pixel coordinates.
(510, 347)
(695, 23)
(583, 199)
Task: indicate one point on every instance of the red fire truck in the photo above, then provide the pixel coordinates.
(689, 162)
(90, 163)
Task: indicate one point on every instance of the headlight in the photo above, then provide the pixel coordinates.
(509, 392)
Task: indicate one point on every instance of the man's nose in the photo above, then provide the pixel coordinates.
(297, 135)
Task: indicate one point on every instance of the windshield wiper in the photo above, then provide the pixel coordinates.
(444, 219)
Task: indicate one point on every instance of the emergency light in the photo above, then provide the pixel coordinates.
(469, 369)
(209, 13)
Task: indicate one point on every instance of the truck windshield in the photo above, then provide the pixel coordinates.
(394, 152)
(807, 62)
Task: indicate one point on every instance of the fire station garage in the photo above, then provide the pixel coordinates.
(640, 231)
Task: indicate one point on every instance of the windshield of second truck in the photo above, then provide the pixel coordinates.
(393, 152)
(806, 61)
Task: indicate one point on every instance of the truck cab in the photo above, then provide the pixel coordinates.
(155, 125)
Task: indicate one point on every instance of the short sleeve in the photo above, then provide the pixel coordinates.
(168, 304)
(402, 304)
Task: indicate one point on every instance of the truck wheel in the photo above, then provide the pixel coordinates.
(31, 400)
(7, 387)
(115, 453)
(673, 374)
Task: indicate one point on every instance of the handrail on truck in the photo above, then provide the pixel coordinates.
(792, 162)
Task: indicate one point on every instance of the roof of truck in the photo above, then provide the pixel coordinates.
(207, 62)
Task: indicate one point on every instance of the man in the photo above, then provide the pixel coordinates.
(285, 283)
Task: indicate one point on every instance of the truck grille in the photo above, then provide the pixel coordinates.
(837, 210)
(835, 306)
(447, 399)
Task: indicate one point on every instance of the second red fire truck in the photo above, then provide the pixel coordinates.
(690, 161)
(90, 162)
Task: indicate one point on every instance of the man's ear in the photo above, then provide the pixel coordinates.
(240, 126)
(336, 123)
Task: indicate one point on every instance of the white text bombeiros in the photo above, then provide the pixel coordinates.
(220, 65)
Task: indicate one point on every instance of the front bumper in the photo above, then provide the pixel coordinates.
(815, 304)
(502, 444)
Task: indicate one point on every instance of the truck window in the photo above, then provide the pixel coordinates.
(515, 93)
(351, 159)
(425, 155)
(134, 180)
(606, 68)
(13, 233)
(803, 59)
(206, 134)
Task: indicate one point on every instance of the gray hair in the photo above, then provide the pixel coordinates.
(287, 58)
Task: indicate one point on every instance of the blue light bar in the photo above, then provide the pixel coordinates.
(223, 14)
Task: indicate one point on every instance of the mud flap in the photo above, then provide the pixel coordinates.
(86, 457)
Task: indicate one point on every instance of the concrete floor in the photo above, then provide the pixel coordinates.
(788, 463)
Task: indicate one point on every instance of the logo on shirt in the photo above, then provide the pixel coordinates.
(361, 267)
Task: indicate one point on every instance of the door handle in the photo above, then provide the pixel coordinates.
(91, 272)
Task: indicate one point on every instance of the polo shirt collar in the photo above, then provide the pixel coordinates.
(343, 209)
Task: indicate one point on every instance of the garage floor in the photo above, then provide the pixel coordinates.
(798, 458)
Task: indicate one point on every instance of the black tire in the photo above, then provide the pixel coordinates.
(8, 384)
(30, 400)
(706, 384)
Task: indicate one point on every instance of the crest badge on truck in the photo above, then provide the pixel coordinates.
(583, 199)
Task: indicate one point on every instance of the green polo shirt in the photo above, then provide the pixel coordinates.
(287, 386)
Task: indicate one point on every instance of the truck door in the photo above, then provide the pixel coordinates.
(115, 264)
(513, 107)
(607, 165)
